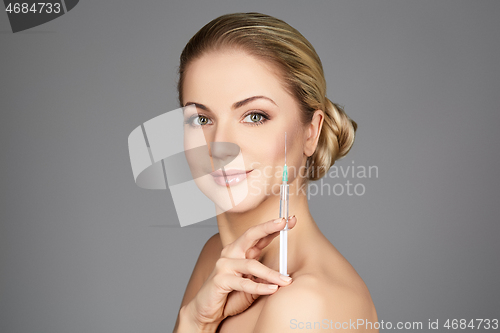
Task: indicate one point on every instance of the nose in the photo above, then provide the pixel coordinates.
(223, 149)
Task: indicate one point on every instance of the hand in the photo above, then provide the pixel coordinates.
(238, 278)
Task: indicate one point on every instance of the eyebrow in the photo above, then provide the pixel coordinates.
(235, 105)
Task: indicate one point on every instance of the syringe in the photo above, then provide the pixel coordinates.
(284, 213)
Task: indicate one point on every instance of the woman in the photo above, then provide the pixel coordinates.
(252, 78)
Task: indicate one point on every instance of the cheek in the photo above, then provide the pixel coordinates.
(273, 149)
(262, 147)
(275, 153)
(295, 152)
(268, 147)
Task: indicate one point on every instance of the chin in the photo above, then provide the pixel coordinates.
(248, 204)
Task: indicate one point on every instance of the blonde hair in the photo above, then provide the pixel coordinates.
(278, 43)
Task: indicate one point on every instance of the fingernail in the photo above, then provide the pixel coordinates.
(285, 278)
(279, 220)
(272, 286)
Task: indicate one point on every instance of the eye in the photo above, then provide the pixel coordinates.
(198, 120)
(256, 118)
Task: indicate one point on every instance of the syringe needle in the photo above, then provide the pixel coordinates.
(285, 148)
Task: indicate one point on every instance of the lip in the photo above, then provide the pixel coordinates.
(232, 177)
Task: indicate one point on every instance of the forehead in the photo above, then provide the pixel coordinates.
(223, 77)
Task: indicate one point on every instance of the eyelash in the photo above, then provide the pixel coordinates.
(189, 121)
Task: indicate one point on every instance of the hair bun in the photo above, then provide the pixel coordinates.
(336, 139)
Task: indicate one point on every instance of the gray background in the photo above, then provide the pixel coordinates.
(83, 249)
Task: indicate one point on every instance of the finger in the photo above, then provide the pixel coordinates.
(254, 251)
(255, 233)
(263, 242)
(259, 280)
(248, 286)
(259, 270)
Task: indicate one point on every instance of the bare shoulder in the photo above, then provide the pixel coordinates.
(209, 255)
(213, 247)
(317, 302)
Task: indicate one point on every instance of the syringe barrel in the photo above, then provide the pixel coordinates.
(284, 232)
(284, 200)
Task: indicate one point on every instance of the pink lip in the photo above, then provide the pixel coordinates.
(232, 176)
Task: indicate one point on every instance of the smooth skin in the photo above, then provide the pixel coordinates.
(229, 287)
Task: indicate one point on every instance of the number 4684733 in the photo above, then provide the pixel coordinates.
(472, 324)
(36, 8)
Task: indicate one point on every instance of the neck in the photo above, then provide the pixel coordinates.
(233, 225)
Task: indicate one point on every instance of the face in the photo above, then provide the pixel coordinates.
(237, 98)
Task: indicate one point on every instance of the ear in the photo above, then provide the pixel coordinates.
(313, 131)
